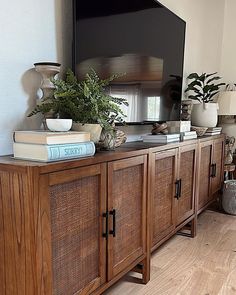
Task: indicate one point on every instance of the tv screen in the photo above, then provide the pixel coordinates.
(143, 41)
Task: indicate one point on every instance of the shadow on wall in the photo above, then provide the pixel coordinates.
(64, 33)
(31, 82)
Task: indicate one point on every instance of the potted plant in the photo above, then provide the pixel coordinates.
(203, 89)
(85, 102)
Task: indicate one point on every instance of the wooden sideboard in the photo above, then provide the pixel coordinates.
(77, 226)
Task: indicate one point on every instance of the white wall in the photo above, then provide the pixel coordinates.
(228, 58)
(30, 31)
(204, 32)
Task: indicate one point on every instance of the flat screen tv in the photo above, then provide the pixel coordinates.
(141, 39)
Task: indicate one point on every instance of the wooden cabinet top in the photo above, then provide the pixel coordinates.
(127, 150)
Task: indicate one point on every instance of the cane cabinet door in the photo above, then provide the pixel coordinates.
(77, 202)
(204, 173)
(186, 182)
(217, 165)
(127, 212)
(163, 178)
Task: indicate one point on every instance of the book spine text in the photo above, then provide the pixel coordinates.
(68, 151)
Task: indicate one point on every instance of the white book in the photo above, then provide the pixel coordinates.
(161, 140)
(53, 152)
(188, 133)
(214, 129)
(213, 133)
(187, 137)
(161, 136)
(49, 137)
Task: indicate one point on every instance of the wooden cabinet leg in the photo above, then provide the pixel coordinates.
(194, 227)
(146, 270)
(190, 229)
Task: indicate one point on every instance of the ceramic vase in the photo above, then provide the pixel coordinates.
(48, 70)
(204, 114)
(94, 130)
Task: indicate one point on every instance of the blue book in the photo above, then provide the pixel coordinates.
(53, 152)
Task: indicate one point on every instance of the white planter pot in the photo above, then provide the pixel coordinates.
(204, 114)
(94, 130)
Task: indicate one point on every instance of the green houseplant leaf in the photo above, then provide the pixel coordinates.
(202, 87)
(84, 101)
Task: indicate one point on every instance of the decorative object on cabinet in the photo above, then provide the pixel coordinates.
(48, 70)
(49, 137)
(186, 109)
(213, 131)
(110, 141)
(229, 171)
(227, 110)
(161, 138)
(59, 124)
(229, 149)
(202, 89)
(199, 130)
(53, 152)
(188, 135)
(178, 126)
(159, 128)
(94, 130)
(85, 101)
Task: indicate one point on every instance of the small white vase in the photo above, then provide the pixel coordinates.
(94, 130)
(204, 114)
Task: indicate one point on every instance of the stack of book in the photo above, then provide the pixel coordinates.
(52, 146)
(161, 138)
(213, 131)
(188, 135)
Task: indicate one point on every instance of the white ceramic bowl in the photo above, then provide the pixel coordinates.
(59, 124)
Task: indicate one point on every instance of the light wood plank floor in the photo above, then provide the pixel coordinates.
(205, 265)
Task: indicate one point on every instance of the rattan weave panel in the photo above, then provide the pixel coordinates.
(186, 173)
(163, 196)
(204, 175)
(127, 200)
(75, 230)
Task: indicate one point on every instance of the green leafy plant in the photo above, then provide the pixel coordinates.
(203, 86)
(84, 101)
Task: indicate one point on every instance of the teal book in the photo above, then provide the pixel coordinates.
(53, 152)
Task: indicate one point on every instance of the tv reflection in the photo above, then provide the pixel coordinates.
(153, 95)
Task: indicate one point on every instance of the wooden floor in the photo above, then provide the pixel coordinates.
(205, 265)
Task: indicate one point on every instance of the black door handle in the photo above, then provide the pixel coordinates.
(113, 231)
(177, 189)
